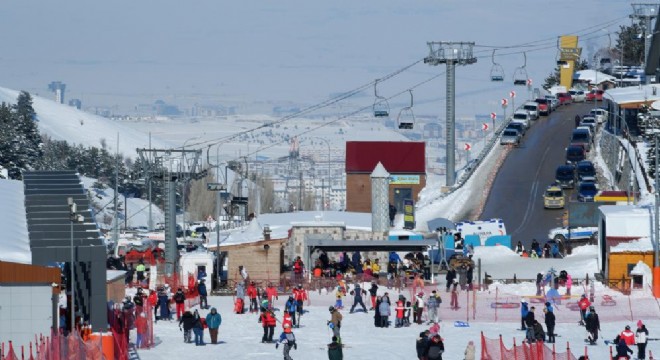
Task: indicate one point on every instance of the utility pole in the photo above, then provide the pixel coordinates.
(451, 54)
(645, 13)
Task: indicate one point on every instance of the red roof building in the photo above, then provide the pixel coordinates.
(404, 160)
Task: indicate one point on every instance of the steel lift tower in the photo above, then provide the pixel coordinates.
(452, 54)
(645, 13)
(171, 166)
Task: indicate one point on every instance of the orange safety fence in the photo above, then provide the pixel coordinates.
(494, 349)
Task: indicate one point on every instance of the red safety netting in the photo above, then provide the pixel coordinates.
(494, 349)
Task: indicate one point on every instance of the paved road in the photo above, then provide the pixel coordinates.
(517, 192)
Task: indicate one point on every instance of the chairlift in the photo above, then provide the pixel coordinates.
(381, 107)
(520, 74)
(406, 118)
(496, 71)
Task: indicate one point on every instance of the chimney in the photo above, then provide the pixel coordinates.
(267, 232)
(380, 199)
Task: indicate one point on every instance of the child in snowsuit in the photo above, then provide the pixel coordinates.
(432, 304)
(339, 295)
(373, 291)
(289, 340)
(267, 320)
(400, 311)
(291, 306)
(187, 320)
(408, 309)
(357, 299)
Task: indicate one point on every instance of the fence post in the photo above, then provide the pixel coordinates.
(554, 352)
(610, 352)
(497, 291)
(484, 353)
(515, 349)
(501, 348)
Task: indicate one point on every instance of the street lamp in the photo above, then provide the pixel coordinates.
(185, 181)
(74, 217)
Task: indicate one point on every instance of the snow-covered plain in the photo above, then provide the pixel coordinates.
(240, 335)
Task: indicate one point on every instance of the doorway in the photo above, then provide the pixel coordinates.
(401, 194)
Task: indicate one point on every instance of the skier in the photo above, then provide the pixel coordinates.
(300, 295)
(420, 345)
(271, 295)
(334, 350)
(213, 321)
(252, 294)
(450, 277)
(180, 300)
(335, 322)
(592, 325)
(641, 338)
(419, 301)
(384, 311)
(286, 318)
(377, 321)
(628, 336)
(539, 334)
(289, 340)
(432, 304)
(583, 304)
(268, 321)
(357, 297)
(400, 311)
(524, 309)
(550, 323)
(454, 296)
(339, 295)
(529, 322)
(164, 305)
(201, 288)
(187, 320)
(622, 350)
(434, 348)
(373, 291)
(520, 249)
(290, 306)
(198, 329)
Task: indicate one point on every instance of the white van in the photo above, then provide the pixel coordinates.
(483, 228)
(532, 108)
(521, 116)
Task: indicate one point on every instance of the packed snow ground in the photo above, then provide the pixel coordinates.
(240, 335)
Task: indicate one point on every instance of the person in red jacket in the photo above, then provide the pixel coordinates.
(300, 295)
(153, 301)
(252, 294)
(287, 319)
(298, 267)
(180, 300)
(268, 322)
(141, 328)
(628, 336)
(271, 295)
(400, 311)
(584, 304)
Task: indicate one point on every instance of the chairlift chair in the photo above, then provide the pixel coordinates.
(496, 71)
(406, 118)
(520, 74)
(381, 106)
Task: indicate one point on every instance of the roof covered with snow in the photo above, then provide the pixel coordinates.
(632, 94)
(626, 220)
(639, 245)
(14, 239)
(593, 76)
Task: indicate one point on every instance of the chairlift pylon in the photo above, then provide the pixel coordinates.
(520, 74)
(381, 106)
(406, 117)
(496, 71)
(558, 57)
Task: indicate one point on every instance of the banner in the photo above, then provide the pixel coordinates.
(408, 214)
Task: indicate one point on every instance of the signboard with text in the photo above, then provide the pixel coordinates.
(408, 214)
(404, 179)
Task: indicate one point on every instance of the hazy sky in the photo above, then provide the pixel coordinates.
(240, 52)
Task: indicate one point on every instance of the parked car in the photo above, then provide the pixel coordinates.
(595, 95)
(517, 126)
(599, 114)
(565, 176)
(564, 98)
(544, 106)
(587, 191)
(533, 109)
(581, 137)
(578, 95)
(510, 137)
(521, 116)
(574, 234)
(554, 102)
(589, 121)
(575, 154)
(586, 171)
(553, 197)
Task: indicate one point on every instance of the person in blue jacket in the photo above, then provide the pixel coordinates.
(213, 321)
(291, 306)
(524, 309)
(201, 288)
